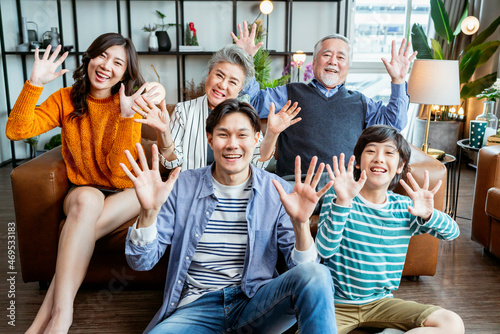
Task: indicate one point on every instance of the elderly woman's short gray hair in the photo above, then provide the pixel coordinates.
(233, 54)
(317, 47)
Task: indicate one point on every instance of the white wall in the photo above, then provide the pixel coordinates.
(213, 21)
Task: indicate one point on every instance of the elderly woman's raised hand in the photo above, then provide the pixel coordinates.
(277, 123)
(44, 69)
(246, 41)
(157, 118)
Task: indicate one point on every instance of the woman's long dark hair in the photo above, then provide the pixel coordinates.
(132, 78)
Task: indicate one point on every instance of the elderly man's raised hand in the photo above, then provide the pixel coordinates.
(150, 189)
(400, 62)
(246, 41)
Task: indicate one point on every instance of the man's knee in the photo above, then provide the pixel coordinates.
(315, 274)
(447, 319)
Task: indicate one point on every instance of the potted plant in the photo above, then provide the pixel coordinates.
(491, 135)
(447, 133)
(33, 143)
(153, 41)
(164, 43)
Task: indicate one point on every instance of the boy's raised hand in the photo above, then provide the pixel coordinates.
(300, 203)
(423, 198)
(150, 189)
(344, 184)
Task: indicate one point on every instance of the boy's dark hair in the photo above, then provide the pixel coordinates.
(382, 134)
(230, 106)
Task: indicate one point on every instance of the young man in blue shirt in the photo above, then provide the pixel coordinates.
(225, 225)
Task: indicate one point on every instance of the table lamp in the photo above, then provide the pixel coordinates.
(434, 82)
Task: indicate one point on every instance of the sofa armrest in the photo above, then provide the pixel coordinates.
(493, 203)
(39, 187)
(487, 176)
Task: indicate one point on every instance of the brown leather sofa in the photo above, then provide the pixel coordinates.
(486, 210)
(40, 185)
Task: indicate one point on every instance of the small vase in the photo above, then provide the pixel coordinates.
(164, 43)
(153, 42)
(490, 118)
(54, 37)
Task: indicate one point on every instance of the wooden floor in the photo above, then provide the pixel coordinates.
(467, 282)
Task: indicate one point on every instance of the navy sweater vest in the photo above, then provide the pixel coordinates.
(329, 126)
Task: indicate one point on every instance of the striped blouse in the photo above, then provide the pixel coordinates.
(365, 246)
(187, 125)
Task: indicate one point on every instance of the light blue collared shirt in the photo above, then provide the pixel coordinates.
(182, 221)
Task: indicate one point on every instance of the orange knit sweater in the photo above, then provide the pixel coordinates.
(92, 146)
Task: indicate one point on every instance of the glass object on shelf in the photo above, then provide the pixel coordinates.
(490, 118)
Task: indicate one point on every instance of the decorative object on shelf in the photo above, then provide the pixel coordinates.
(473, 56)
(190, 37)
(24, 45)
(491, 95)
(50, 37)
(164, 43)
(434, 82)
(153, 40)
(160, 90)
(476, 136)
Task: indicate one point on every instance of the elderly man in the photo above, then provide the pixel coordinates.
(333, 117)
(225, 225)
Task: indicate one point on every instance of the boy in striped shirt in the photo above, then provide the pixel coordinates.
(364, 231)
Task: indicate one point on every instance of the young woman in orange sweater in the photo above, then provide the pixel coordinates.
(97, 126)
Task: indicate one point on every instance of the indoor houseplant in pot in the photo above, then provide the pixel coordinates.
(164, 43)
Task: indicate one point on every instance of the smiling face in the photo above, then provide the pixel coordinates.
(224, 81)
(331, 64)
(233, 141)
(106, 70)
(381, 162)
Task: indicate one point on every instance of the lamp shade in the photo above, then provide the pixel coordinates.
(434, 82)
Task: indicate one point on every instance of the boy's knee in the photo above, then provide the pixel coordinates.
(447, 319)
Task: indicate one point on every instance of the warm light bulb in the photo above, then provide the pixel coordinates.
(461, 111)
(453, 110)
(470, 25)
(299, 57)
(266, 7)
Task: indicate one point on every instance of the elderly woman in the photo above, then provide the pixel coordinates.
(184, 143)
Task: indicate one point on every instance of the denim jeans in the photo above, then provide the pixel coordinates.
(303, 293)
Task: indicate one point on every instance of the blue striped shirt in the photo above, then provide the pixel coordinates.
(220, 254)
(365, 245)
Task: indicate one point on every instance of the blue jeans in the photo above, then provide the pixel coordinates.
(303, 293)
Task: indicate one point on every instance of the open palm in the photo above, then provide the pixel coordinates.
(300, 203)
(277, 123)
(157, 118)
(44, 69)
(151, 191)
(126, 102)
(246, 40)
(400, 61)
(422, 197)
(346, 188)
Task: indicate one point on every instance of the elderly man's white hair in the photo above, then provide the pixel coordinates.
(317, 47)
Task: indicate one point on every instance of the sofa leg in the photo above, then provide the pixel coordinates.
(44, 285)
(412, 278)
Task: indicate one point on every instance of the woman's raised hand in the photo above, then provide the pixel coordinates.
(153, 116)
(126, 102)
(44, 69)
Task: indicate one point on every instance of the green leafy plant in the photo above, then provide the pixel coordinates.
(262, 65)
(473, 56)
(163, 26)
(53, 142)
(149, 28)
(33, 142)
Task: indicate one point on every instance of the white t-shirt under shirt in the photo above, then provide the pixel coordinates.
(220, 254)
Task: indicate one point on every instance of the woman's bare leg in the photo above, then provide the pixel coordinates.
(89, 217)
